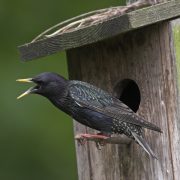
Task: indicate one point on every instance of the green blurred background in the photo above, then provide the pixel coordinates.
(36, 139)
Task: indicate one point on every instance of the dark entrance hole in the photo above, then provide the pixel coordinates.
(128, 92)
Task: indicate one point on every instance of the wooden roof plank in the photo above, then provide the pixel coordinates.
(103, 30)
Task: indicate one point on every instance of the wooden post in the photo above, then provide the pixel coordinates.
(144, 56)
(101, 55)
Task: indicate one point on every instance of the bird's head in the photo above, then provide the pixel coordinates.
(47, 84)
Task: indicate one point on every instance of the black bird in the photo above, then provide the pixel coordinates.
(91, 106)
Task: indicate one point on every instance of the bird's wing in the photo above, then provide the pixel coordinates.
(94, 98)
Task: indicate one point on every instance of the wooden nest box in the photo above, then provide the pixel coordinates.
(132, 56)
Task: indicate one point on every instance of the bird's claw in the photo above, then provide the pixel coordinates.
(81, 141)
(99, 144)
(98, 138)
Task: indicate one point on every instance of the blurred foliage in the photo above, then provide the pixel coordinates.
(36, 138)
(176, 33)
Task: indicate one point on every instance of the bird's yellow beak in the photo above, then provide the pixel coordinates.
(28, 80)
(25, 93)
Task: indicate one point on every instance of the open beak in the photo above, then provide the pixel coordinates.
(28, 80)
(30, 90)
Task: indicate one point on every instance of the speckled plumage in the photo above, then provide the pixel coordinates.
(93, 107)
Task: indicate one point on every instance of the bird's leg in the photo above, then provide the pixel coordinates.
(92, 136)
(98, 138)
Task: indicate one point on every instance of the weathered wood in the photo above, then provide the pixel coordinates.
(145, 56)
(101, 31)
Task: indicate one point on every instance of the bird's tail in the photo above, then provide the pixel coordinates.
(144, 145)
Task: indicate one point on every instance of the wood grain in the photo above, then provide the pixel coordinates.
(107, 29)
(147, 57)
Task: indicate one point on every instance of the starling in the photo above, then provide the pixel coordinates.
(91, 106)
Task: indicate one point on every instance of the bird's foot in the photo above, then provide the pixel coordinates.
(98, 138)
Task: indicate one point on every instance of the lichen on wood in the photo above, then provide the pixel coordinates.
(176, 34)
